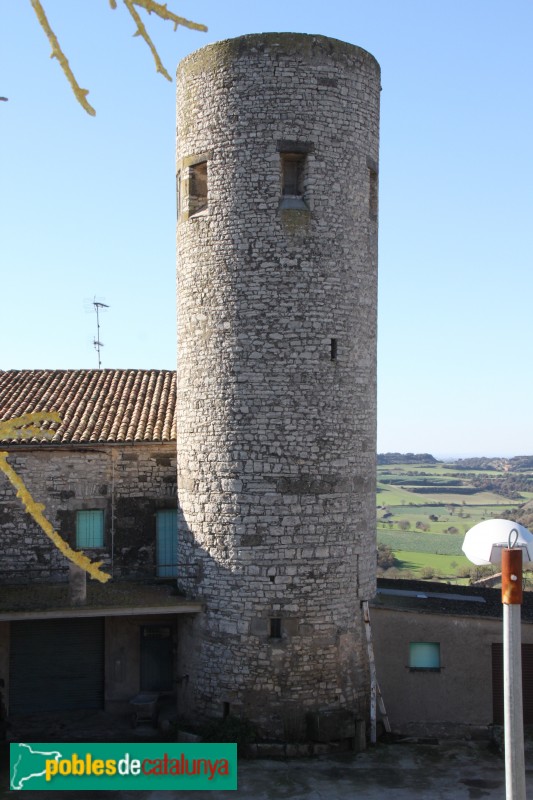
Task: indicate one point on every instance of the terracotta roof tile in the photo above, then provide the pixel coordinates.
(95, 406)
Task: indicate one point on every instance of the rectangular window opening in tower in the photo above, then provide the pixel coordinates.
(197, 188)
(178, 194)
(292, 173)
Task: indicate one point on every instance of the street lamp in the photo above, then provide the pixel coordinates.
(506, 543)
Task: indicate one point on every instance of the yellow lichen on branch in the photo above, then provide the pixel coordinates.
(162, 12)
(160, 9)
(141, 31)
(20, 427)
(80, 94)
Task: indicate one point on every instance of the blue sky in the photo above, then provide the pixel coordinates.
(87, 206)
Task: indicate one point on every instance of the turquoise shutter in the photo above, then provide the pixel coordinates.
(90, 528)
(167, 543)
(424, 655)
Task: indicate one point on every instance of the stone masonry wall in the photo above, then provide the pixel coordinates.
(130, 483)
(277, 371)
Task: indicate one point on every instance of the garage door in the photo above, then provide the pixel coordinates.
(497, 683)
(56, 665)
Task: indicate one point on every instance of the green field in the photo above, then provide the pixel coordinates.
(444, 566)
(425, 509)
(437, 544)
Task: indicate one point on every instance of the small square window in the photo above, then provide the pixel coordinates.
(90, 529)
(424, 656)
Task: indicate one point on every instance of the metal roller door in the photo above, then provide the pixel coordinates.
(56, 665)
(497, 683)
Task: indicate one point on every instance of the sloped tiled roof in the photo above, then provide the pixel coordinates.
(95, 406)
(432, 597)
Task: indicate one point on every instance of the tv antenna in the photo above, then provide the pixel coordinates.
(98, 306)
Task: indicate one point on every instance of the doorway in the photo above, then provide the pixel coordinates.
(156, 656)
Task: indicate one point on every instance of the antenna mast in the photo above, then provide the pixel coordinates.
(96, 342)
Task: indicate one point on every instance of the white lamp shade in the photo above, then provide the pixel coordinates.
(484, 542)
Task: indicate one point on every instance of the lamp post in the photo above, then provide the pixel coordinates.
(505, 543)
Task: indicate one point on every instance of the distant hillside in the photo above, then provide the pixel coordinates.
(406, 458)
(523, 515)
(498, 464)
(495, 463)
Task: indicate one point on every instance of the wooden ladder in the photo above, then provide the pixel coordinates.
(376, 698)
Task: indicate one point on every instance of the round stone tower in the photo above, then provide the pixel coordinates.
(277, 151)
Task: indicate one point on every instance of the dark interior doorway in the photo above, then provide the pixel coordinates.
(156, 658)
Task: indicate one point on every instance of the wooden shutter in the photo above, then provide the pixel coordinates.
(167, 543)
(90, 528)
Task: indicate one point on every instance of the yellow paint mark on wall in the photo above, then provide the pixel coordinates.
(21, 427)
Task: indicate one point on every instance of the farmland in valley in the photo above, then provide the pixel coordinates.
(425, 507)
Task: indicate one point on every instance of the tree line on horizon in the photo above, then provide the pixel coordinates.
(493, 463)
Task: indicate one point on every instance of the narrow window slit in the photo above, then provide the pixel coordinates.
(275, 628)
(333, 350)
(373, 193)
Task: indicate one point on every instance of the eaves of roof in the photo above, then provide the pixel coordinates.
(95, 406)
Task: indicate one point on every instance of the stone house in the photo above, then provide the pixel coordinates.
(102, 480)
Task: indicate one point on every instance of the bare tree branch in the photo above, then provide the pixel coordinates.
(141, 31)
(80, 94)
(150, 6)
